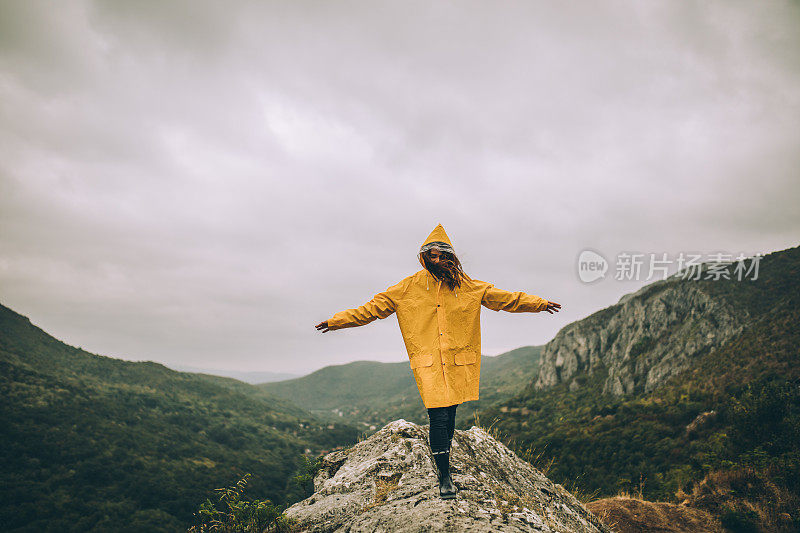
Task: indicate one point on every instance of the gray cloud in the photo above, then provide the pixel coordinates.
(200, 183)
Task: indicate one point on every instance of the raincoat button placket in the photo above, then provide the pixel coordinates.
(439, 320)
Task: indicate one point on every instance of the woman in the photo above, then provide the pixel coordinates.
(438, 311)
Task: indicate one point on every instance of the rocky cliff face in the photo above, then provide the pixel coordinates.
(388, 483)
(644, 339)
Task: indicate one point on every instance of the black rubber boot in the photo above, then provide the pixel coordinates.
(447, 490)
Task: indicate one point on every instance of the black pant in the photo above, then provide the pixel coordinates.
(443, 426)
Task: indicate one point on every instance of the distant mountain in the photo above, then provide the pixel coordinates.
(88, 442)
(649, 336)
(248, 377)
(682, 380)
(371, 394)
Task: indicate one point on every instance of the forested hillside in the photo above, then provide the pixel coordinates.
(90, 441)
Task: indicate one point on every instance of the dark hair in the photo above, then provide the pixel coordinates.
(449, 269)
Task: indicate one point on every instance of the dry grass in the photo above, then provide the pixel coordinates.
(739, 499)
(633, 515)
(638, 494)
(529, 454)
(747, 496)
(383, 486)
(537, 459)
(507, 502)
(604, 515)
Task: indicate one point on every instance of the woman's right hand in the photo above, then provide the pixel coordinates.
(553, 307)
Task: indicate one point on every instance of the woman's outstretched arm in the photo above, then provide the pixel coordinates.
(381, 305)
(516, 301)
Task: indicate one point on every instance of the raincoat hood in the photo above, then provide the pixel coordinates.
(438, 235)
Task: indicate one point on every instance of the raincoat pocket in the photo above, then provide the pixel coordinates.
(422, 359)
(466, 358)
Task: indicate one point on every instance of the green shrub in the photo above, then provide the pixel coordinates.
(740, 520)
(233, 513)
(301, 484)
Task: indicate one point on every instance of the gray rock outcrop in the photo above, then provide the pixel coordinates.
(643, 340)
(387, 482)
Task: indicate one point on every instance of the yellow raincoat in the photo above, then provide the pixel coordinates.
(440, 327)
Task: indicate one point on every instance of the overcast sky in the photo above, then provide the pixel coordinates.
(201, 183)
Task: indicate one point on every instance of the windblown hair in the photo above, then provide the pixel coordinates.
(449, 269)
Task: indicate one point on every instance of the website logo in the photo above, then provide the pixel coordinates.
(591, 266)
